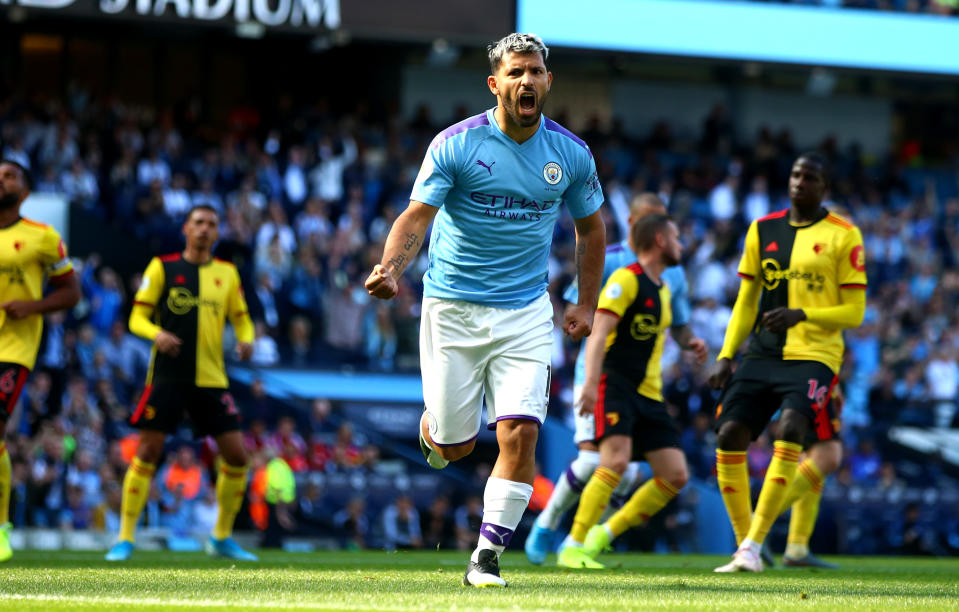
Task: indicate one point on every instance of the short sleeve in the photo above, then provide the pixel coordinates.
(852, 261)
(151, 287)
(437, 173)
(53, 254)
(584, 195)
(750, 266)
(619, 292)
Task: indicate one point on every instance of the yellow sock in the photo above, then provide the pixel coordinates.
(136, 489)
(5, 477)
(230, 487)
(645, 502)
(808, 476)
(806, 508)
(595, 496)
(732, 475)
(779, 477)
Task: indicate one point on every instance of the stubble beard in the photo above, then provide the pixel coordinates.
(9, 200)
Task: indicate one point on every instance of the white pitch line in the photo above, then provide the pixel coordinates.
(187, 603)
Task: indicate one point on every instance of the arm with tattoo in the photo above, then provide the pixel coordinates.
(402, 245)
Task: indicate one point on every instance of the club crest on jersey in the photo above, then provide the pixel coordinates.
(553, 173)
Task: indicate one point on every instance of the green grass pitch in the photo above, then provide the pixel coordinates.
(432, 581)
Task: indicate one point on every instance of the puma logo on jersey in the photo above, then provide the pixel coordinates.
(772, 247)
(489, 168)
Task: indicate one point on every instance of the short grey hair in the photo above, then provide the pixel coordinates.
(515, 43)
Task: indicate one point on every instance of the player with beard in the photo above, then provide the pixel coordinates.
(494, 184)
(182, 306)
(623, 390)
(570, 485)
(30, 253)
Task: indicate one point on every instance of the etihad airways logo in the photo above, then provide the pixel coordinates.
(773, 274)
(180, 301)
(512, 207)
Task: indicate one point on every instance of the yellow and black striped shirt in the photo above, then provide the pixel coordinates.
(193, 302)
(634, 348)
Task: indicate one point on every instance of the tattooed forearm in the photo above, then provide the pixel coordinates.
(580, 251)
(397, 264)
(410, 245)
(412, 241)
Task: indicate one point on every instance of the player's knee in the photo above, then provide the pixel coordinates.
(235, 459)
(827, 456)
(149, 452)
(517, 436)
(678, 477)
(733, 436)
(618, 464)
(793, 426)
(453, 453)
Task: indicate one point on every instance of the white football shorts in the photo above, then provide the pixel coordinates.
(585, 425)
(470, 352)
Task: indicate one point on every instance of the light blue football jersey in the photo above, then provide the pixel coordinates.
(499, 201)
(618, 256)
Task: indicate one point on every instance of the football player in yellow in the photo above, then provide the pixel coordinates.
(803, 281)
(30, 253)
(182, 306)
(623, 389)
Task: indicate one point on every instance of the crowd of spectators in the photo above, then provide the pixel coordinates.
(307, 196)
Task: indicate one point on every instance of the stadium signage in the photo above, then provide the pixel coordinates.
(305, 14)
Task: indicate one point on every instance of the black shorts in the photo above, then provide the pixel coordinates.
(760, 387)
(12, 378)
(621, 410)
(163, 405)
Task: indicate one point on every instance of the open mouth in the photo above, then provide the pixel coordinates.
(527, 102)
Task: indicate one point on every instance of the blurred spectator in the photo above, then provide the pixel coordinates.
(265, 351)
(352, 524)
(314, 515)
(401, 525)
(468, 519)
(437, 525)
(864, 462)
(204, 514)
(917, 538)
(280, 496)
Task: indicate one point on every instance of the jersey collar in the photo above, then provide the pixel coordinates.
(11, 224)
(491, 117)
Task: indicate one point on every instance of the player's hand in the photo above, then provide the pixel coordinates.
(168, 343)
(244, 350)
(699, 349)
(586, 403)
(19, 309)
(578, 321)
(381, 283)
(720, 373)
(780, 319)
